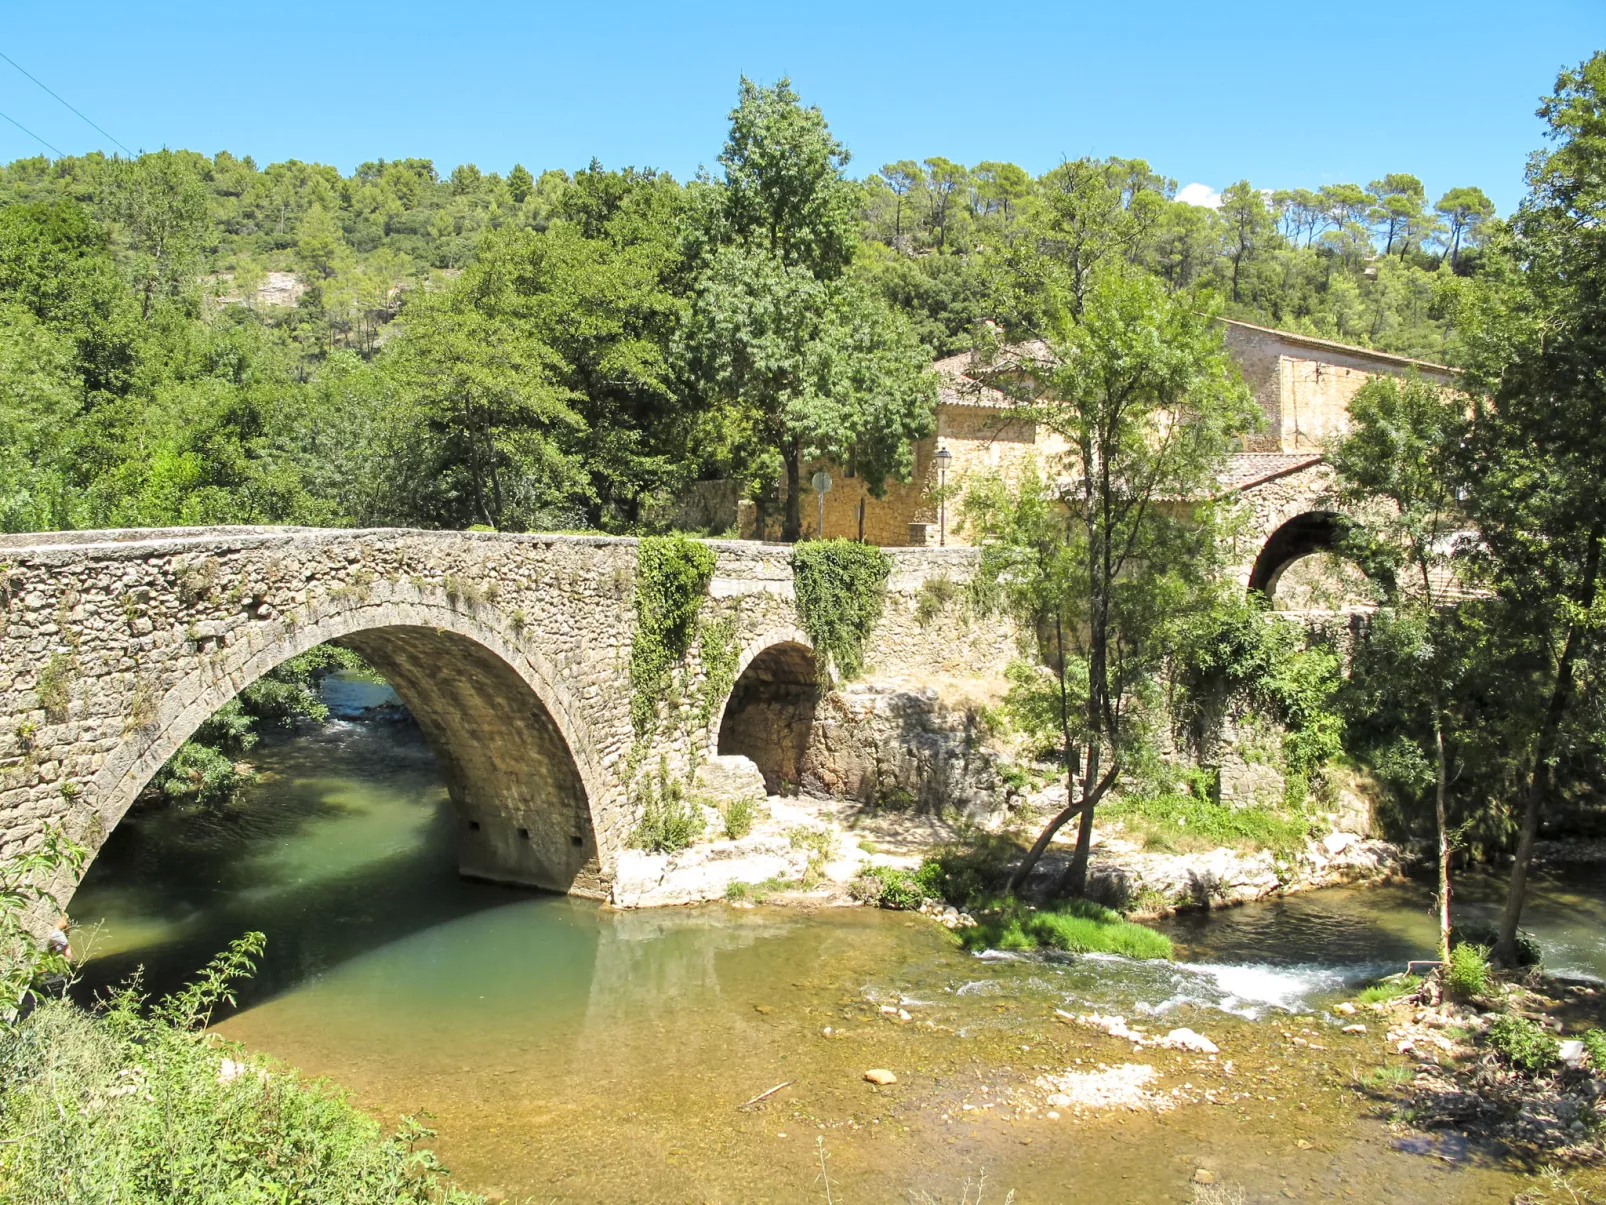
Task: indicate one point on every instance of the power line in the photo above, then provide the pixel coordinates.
(18, 66)
(31, 134)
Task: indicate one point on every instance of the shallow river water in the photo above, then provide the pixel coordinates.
(573, 1053)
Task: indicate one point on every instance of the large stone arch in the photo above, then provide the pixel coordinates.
(769, 713)
(497, 716)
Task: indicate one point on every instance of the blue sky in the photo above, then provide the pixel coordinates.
(1283, 95)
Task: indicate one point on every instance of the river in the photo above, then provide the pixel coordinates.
(573, 1053)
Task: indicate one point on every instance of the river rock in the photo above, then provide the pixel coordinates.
(702, 872)
(880, 1075)
(1187, 1039)
(728, 777)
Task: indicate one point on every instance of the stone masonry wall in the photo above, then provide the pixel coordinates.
(513, 651)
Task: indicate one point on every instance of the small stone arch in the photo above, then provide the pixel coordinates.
(495, 714)
(1312, 531)
(769, 715)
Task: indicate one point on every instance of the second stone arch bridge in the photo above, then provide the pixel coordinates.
(512, 652)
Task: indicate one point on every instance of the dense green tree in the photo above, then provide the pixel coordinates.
(1396, 470)
(1247, 230)
(483, 432)
(160, 200)
(1536, 452)
(1465, 211)
(811, 362)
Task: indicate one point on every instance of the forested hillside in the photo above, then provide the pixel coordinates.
(187, 340)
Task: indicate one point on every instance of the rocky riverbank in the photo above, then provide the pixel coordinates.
(812, 849)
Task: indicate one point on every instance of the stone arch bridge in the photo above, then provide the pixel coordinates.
(512, 652)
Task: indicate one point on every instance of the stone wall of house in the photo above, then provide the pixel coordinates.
(981, 439)
(1305, 385)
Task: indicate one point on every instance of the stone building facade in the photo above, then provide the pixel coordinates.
(1302, 384)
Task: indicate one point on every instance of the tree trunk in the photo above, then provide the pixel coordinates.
(1035, 854)
(792, 524)
(1439, 809)
(1539, 778)
(1075, 880)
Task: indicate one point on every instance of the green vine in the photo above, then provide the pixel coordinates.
(672, 576)
(720, 653)
(841, 586)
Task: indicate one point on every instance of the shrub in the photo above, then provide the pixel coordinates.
(1171, 816)
(1487, 936)
(1523, 1044)
(1076, 926)
(935, 594)
(200, 774)
(669, 821)
(739, 817)
(1595, 1047)
(141, 1104)
(899, 890)
(1391, 988)
(1468, 972)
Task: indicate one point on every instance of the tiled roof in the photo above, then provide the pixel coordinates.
(962, 377)
(1245, 470)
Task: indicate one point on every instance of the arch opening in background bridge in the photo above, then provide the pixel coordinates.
(523, 810)
(770, 714)
(1327, 576)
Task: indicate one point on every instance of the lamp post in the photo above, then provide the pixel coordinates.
(944, 458)
(821, 481)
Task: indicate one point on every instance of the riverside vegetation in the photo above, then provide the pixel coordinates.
(136, 1102)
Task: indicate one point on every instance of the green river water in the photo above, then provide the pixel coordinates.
(573, 1053)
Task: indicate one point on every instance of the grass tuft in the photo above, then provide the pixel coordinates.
(1075, 926)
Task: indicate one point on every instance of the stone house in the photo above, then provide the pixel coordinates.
(1301, 383)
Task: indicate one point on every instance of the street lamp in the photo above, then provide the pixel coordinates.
(944, 459)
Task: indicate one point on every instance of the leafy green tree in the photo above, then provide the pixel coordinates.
(161, 203)
(945, 182)
(1247, 230)
(56, 261)
(1139, 385)
(600, 288)
(1396, 467)
(483, 433)
(1400, 201)
(1091, 211)
(1001, 187)
(520, 184)
(902, 177)
(812, 363)
(1465, 211)
(38, 401)
(1536, 451)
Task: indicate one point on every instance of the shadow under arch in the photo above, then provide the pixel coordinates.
(493, 715)
(770, 712)
(1311, 532)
